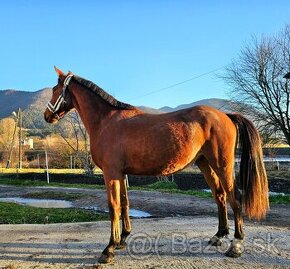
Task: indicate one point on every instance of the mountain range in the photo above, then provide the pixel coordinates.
(12, 100)
(33, 105)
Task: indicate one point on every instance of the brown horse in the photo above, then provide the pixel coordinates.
(125, 140)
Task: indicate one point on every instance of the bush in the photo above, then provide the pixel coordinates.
(159, 185)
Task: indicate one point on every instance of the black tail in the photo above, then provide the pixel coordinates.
(253, 177)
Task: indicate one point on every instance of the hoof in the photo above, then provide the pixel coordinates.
(215, 241)
(106, 258)
(236, 249)
(233, 254)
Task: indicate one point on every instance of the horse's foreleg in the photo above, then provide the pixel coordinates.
(219, 195)
(113, 192)
(126, 224)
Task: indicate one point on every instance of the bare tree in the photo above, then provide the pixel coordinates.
(256, 79)
(76, 137)
(7, 128)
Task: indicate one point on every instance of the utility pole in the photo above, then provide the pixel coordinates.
(20, 139)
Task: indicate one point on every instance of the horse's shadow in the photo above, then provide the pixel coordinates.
(64, 252)
(88, 253)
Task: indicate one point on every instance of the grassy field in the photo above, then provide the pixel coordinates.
(54, 195)
(11, 213)
(51, 171)
(171, 187)
(162, 186)
(271, 173)
(32, 183)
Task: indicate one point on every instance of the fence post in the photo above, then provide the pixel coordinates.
(127, 181)
(46, 163)
(38, 161)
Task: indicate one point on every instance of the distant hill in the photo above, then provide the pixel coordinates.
(33, 105)
(221, 104)
(11, 100)
(150, 110)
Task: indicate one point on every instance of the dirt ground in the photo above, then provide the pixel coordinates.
(175, 237)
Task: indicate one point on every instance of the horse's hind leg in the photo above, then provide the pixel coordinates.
(235, 200)
(226, 176)
(126, 224)
(219, 195)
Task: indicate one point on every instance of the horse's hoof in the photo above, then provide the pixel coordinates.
(233, 254)
(106, 258)
(215, 241)
(236, 249)
(121, 246)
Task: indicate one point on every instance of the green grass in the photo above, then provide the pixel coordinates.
(54, 195)
(280, 199)
(279, 174)
(171, 187)
(11, 213)
(51, 171)
(162, 186)
(36, 183)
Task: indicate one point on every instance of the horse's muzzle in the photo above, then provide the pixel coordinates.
(49, 117)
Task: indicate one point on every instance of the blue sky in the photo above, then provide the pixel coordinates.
(132, 49)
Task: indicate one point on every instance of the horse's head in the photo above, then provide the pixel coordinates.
(60, 102)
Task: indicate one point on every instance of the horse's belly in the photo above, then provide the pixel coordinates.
(163, 150)
(161, 164)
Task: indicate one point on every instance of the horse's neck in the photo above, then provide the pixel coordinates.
(92, 110)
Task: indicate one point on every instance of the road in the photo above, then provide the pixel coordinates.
(178, 241)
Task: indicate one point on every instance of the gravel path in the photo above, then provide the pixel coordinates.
(155, 243)
(175, 238)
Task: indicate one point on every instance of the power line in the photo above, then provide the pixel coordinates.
(179, 83)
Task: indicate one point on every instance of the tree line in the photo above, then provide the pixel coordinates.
(65, 143)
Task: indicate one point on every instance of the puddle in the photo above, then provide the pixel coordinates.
(139, 214)
(134, 213)
(272, 193)
(42, 203)
(52, 203)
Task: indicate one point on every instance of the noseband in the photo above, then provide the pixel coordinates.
(60, 100)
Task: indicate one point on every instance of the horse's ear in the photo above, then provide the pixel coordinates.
(70, 72)
(59, 72)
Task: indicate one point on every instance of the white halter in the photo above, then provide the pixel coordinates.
(60, 100)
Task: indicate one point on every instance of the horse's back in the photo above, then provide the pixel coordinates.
(197, 114)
